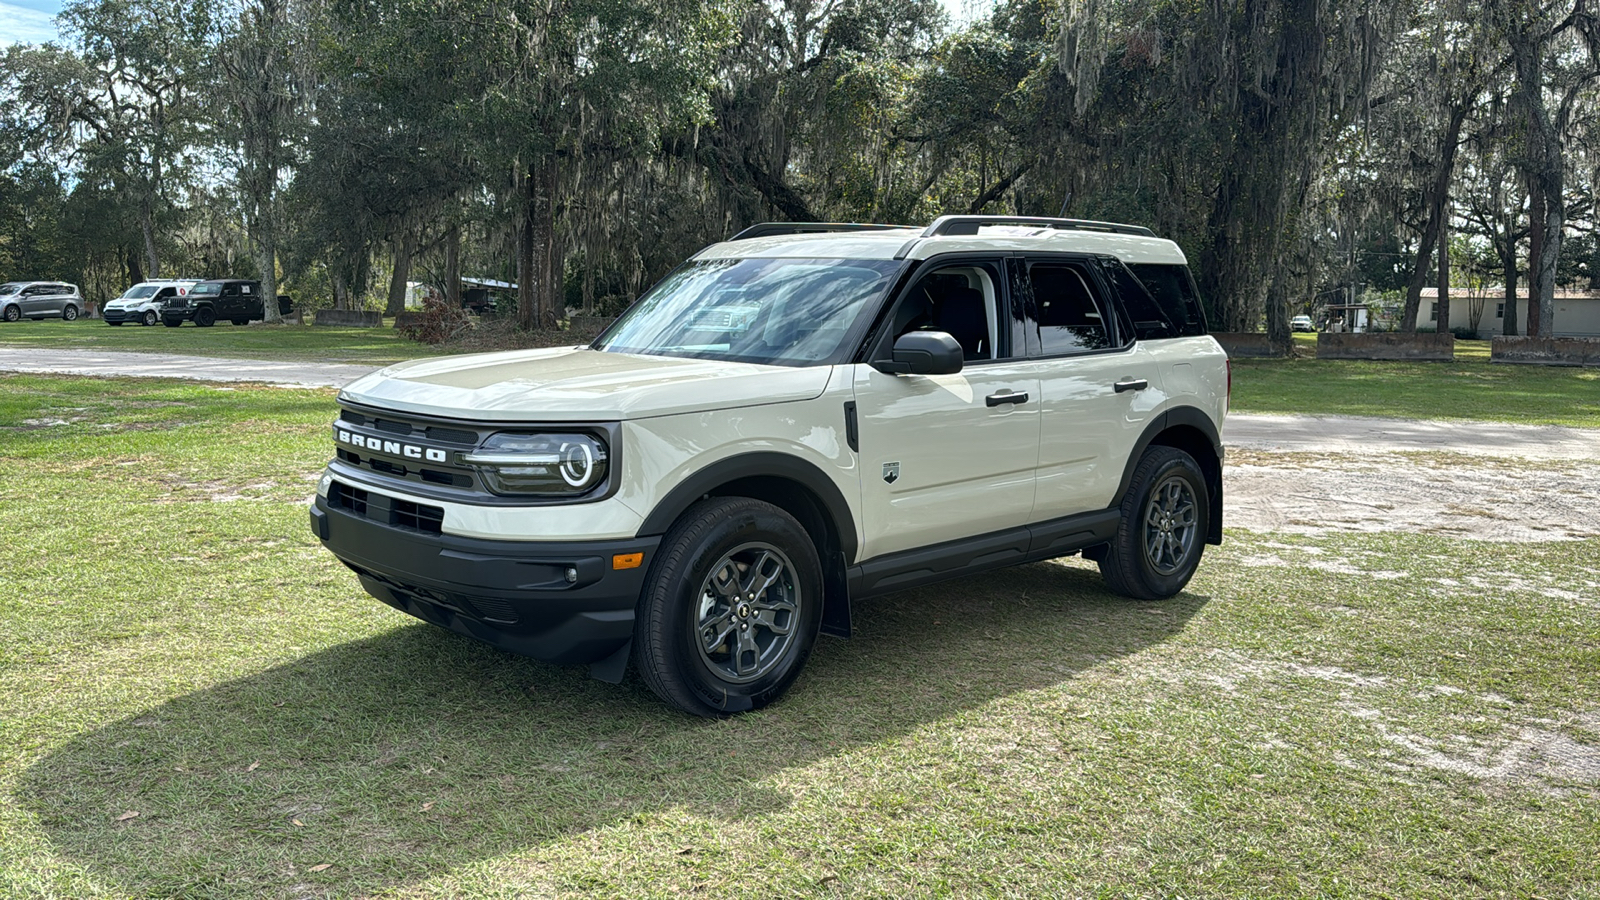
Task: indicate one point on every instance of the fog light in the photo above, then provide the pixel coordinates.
(572, 575)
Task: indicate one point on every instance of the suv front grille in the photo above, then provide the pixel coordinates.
(392, 462)
(388, 511)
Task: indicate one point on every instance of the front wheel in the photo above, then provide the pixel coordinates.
(172, 323)
(13, 313)
(150, 317)
(205, 317)
(1162, 532)
(732, 608)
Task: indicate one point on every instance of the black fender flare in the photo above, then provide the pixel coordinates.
(772, 467)
(760, 464)
(1178, 417)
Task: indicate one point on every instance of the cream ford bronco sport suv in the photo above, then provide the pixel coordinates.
(795, 419)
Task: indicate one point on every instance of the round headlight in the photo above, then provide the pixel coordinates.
(540, 465)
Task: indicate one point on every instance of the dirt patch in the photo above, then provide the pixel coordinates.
(1504, 743)
(1483, 499)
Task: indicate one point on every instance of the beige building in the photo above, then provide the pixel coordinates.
(1577, 313)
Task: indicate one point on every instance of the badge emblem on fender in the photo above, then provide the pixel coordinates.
(891, 472)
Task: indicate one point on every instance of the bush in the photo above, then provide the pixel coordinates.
(1463, 333)
(437, 322)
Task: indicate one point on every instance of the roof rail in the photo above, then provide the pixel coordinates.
(960, 225)
(772, 229)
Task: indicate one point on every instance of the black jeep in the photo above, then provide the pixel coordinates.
(220, 298)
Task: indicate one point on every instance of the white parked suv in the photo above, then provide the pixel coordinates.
(143, 302)
(793, 420)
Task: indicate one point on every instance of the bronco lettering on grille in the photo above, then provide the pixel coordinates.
(393, 448)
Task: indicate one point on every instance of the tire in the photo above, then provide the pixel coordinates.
(109, 322)
(693, 596)
(69, 312)
(240, 321)
(205, 317)
(13, 313)
(172, 323)
(150, 317)
(1163, 529)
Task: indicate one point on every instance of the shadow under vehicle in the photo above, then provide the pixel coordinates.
(357, 741)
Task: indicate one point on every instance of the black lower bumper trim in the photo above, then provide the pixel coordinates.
(558, 601)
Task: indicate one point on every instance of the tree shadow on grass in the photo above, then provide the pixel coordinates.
(415, 752)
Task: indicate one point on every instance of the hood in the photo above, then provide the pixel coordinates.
(578, 384)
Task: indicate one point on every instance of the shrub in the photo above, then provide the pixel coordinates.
(437, 322)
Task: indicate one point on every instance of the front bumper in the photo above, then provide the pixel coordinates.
(514, 595)
(122, 315)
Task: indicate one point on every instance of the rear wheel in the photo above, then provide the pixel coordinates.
(150, 317)
(69, 312)
(240, 321)
(205, 317)
(1162, 533)
(109, 322)
(172, 323)
(732, 608)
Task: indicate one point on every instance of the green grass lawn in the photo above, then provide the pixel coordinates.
(1469, 388)
(301, 342)
(197, 701)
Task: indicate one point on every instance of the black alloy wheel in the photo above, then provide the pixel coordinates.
(732, 608)
(1161, 537)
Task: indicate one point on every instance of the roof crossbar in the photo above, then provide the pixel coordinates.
(967, 225)
(774, 229)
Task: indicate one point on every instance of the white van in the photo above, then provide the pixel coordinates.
(142, 303)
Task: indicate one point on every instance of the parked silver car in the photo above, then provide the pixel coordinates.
(39, 300)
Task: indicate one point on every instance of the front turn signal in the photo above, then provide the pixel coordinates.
(627, 561)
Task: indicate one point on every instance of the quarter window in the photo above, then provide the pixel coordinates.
(1172, 288)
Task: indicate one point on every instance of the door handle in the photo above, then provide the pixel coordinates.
(1006, 397)
(1138, 384)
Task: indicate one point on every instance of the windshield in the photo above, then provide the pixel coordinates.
(205, 290)
(10, 287)
(138, 292)
(789, 312)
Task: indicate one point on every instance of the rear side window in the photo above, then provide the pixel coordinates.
(1068, 315)
(1172, 290)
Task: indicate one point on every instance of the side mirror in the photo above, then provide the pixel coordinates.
(923, 353)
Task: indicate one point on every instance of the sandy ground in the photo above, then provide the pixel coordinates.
(1297, 474)
(1476, 480)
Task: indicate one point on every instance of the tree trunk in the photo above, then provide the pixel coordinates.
(1443, 324)
(527, 290)
(1435, 194)
(1509, 325)
(405, 245)
(1275, 133)
(539, 262)
(266, 258)
(135, 273)
(1535, 256)
(152, 257)
(341, 289)
(452, 266)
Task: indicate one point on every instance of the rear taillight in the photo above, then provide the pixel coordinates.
(1228, 405)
